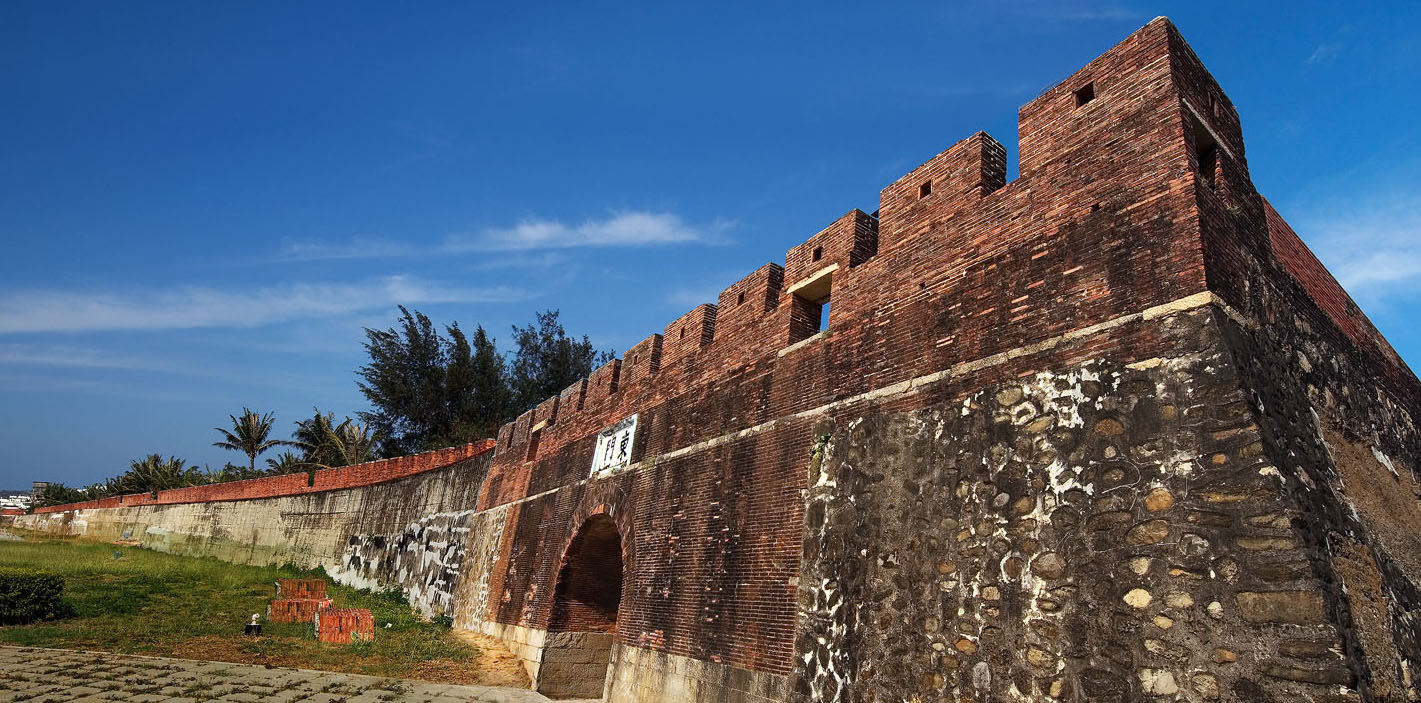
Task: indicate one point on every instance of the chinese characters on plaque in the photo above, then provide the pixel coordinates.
(614, 446)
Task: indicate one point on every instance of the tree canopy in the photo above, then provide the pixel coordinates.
(429, 389)
(548, 361)
(249, 435)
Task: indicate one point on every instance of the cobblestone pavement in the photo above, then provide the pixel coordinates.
(40, 675)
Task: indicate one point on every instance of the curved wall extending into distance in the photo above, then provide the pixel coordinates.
(393, 523)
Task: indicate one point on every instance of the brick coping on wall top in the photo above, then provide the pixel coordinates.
(353, 476)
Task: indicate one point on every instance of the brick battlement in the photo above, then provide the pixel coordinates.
(357, 475)
(1133, 218)
(1106, 219)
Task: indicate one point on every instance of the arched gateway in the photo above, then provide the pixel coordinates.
(583, 625)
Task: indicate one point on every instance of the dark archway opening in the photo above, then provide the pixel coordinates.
(583, 625)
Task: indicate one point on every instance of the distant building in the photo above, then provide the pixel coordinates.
(14, 503)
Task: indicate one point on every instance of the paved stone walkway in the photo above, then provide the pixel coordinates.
(43, 675)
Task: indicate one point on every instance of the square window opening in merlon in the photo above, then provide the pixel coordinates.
(1085, 94)
(809, 312)
(1209, 165)
(1206, 155)
(809, 307)
(740, 299)
(818, 253)
(807, 318)
(925, 189)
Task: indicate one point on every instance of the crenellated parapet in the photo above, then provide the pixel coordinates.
(687, 335)
(641, 362)
(951, 182)
(956, 264)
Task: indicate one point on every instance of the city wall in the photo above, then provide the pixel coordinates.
(398, 523)
(1106, 432)
(1032, 455)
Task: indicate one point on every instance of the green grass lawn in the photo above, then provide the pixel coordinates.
(138, 601)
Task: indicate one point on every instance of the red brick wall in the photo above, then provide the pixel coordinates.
(1105, 220)
(296, 609)
(1100, 224)
(686, 337)
(366, 474)
(1321, 287)
(955, 180)
(642, 361)
(850, 241)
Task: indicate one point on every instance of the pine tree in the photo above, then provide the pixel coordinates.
(548, 361)
(404, 382)
(429, 390)
(492, 398)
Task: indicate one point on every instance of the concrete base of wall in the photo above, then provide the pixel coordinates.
(575, 664)
(644, 676)
(632, 674)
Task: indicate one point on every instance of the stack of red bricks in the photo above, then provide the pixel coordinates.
(345, 625)
(300, 588)
(305, 600)
(298, 600)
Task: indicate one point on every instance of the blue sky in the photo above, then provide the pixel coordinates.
(203, 204)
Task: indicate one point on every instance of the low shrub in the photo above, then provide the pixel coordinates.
(27, 595)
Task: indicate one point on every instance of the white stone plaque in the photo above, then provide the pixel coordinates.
(614, 447)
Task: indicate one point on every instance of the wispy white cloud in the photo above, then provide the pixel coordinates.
(1370, 244)
(635, 228)
(74, 357)
(621, 229)
(355, 248)
(691, 297)
(195, 307)
(1380, 270)
(111, 367)
(40, 383)
(1324, 53)
(527, 260)
(1074, 11)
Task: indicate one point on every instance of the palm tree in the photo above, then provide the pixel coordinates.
(343, 445)
(285, 463)
(250, 435)
(312, 437)
(353, 443)
(154, 473)
(59, 494)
